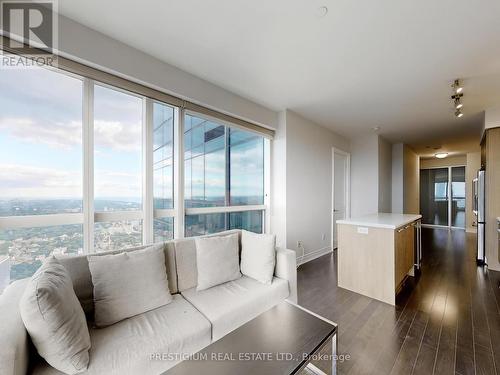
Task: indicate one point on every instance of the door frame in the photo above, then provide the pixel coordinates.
(449, 226)
(347, 189)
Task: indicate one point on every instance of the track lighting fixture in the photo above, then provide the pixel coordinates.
(457, 97)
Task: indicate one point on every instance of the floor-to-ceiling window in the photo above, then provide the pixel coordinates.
(224, 177)
(442, 196)
(117, 169)
(40, 167)
(88, 167)
(457, 197)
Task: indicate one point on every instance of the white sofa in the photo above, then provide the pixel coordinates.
(152, 342)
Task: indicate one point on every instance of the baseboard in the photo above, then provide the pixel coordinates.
(313, 255)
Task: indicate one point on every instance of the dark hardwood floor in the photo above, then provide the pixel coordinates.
(447, 321)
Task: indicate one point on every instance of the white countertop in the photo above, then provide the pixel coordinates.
(381, 220)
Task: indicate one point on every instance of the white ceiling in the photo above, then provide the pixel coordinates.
(386, 63)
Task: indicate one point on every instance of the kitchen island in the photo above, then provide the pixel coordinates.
(377, 252)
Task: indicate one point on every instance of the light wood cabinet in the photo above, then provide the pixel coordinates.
(404, 253)
(375, 260)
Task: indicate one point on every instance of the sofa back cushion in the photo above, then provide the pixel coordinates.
(185, 256)
(180, 262)
(78, 269)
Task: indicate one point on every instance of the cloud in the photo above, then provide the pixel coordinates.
(26, 181)
(112, 135)
(117, 135)
(54, 134)
(247, 158)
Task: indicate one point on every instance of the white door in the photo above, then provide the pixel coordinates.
(340, 187)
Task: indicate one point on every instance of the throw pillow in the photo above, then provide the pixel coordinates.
(55, 319)
(128, 284)
(258, 256)
(217, 260)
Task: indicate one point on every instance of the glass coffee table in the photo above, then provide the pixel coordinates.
(287, 339)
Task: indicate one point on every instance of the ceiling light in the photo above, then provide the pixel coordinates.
(458, 113)
(441, 155)
(458, 103)
(322, 11)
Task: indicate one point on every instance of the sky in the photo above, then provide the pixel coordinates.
(41, 137)
(41, 143)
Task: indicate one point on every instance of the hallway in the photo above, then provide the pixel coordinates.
(445, 323)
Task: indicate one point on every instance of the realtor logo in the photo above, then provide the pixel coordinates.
(29, 29)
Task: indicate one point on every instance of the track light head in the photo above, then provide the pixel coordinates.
(457, 87)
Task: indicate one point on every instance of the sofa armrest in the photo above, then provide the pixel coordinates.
(286, 268)
(14, 340)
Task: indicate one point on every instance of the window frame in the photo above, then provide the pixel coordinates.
(89, 217)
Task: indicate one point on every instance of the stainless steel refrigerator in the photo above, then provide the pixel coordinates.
(478, 190)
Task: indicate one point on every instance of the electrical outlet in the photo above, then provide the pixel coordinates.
(300, 244)
(362, 230)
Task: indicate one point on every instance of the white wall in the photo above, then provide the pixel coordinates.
(397, 178)
(92, 48)
(308, 187)
(492, 118)
(364, 175)
(411, 181)
(384, 175)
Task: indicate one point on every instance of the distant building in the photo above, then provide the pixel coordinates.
(4, 273)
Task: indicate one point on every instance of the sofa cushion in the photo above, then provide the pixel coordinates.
(128, 284)
(258, 256)
(55, 319)
(78, 268)
(185, 258)
(218, 260)
(232, 304)
(145, 344)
